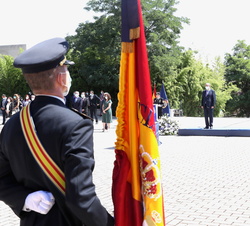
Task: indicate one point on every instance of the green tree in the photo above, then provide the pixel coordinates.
(238, 73)
(96, 46)
(162, 30)
(221, 86)
(190, 82)
(11, 78)
(190, 79)
(96, 53)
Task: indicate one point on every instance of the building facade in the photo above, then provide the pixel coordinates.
(12, 50)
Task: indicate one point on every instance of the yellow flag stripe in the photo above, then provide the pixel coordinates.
(49, 167)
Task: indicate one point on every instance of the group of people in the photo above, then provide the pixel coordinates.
(11, 105)
(88, 103)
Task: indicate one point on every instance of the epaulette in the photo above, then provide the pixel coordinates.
(81, 114)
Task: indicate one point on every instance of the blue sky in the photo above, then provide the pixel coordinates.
(215, 25)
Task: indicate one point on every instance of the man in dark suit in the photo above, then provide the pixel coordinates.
(85, 103)
(208, 102)
(67, 138)
(76, 101)
(3, 107)
(94, 101)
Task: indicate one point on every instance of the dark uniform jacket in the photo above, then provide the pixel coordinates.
(68, 139)
(208, 99)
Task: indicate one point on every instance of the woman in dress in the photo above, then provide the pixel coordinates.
(106, 111)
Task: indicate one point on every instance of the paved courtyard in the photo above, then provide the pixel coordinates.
(206, 180)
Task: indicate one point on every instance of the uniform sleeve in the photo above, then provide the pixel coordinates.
(81, 197)
(12, 193)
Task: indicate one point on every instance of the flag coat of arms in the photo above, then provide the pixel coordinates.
(137, 186)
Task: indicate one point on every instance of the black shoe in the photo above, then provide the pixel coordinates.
(206, 127)
(211, 127)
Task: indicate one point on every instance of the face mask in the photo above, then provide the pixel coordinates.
(83, 96)
(76, 94)
(68, 84)
(106, 97)
(91, 94)
(207, 88)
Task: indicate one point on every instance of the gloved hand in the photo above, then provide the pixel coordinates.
(39, 201)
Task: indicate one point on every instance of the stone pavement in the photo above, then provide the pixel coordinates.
(206, 180)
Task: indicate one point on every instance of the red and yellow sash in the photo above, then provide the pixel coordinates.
(47, 164)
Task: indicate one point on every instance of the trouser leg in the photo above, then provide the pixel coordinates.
(91, 112)
(206, 116)
(95, 114)
(211, 112)
(4, 116)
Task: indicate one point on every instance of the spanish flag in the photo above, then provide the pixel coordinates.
(137, 188)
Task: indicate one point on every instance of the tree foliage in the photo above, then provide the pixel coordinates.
(96, 46)
(96, 51)
(238, 73)
(96, 55)
(11, 78)
(162, 30)
(186, 91)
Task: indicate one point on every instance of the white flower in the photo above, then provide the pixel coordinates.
(168, 126)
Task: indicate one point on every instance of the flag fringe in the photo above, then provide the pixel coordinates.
(127, 47)
(134, 33)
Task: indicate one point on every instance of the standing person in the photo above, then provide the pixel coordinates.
(159, 101)
(26, 100)
(20, 102)
(16, 103)
(9, 107)
(207, 103)
(25, 185)
(33, 97)
(94, 101)
(101, 101)
(85, 103)
(3, 107)
(107, 111)
(76, 101)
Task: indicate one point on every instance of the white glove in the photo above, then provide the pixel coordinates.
(39, 201)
